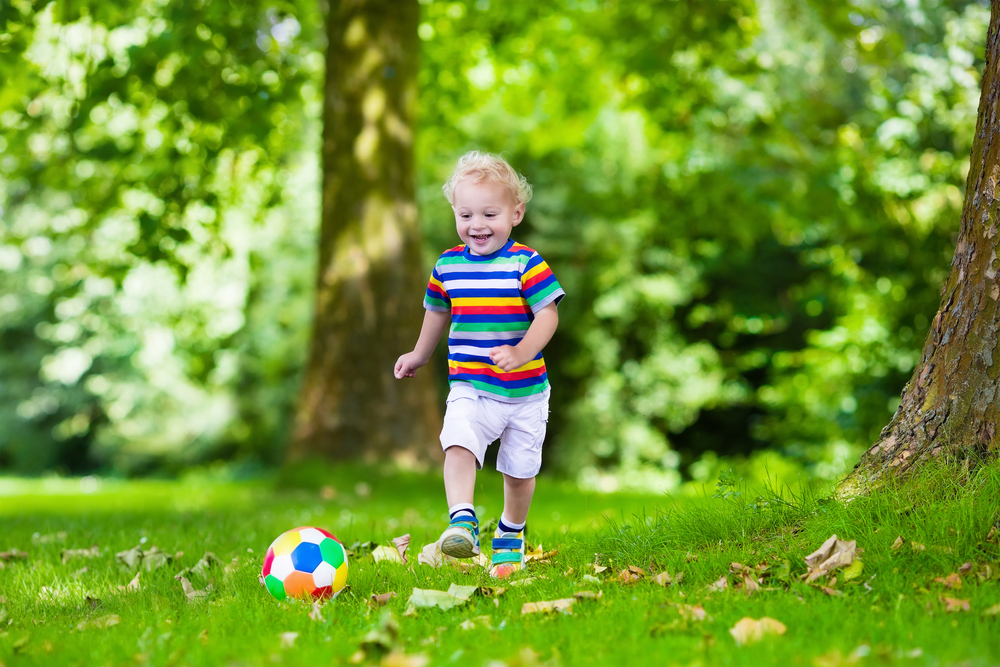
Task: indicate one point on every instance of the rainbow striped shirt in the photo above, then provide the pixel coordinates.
(492, 300)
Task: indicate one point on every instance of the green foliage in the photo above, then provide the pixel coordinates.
(750, 204)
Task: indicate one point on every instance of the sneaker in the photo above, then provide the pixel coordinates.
(508, 554)
(461, 538)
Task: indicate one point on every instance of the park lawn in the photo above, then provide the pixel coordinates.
(893, 612)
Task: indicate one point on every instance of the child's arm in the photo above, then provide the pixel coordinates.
(539, 334)
(435, 323)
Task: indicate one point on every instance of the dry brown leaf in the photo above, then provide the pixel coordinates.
(189, 590)
(750, 585)
(692, 612)
(381, 599)
(599, 568)
(383, 554)
(748, 630)
(12, 555)
(739, 568)
(951, 581)
(953, 605)
(665, 579)
(830, 591)
(69, 554)
(721, 584)
(131, 586)
(288, 639)
(917, 547)
(492, 591)
(631, 574)
(994, 532)
(588, 595)
(898, 544)
(964, 569)
(402, 543)
(99, 623)
(831, 554)
(397, 658)
(432, 555)
(565, 605)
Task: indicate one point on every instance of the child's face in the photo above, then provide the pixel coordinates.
(484, 215)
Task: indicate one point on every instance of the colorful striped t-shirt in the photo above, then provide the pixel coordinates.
(492, 300)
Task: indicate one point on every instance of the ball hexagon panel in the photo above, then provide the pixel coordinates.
(286, 543)
(323, 574)
(333, 552)
(306, 557)
(311, 535)
(299, 584)
(281, 567)
(340, 579)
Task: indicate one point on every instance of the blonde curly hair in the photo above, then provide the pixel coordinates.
(480, 167)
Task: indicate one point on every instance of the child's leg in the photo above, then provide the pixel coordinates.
(517, 495)
(459, 475)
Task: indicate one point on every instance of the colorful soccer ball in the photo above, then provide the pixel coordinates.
(305, 562)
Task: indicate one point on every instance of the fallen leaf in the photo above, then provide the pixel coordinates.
(386, 554)
(748, 630)
(831, 554)
(402, 543)
(564, 605)
(467, 624)
(994, 532)
(51, 537)
(589, 578)
(691, 612)
(953, 605)
(203, 636)
(952, 581)
(588, 595)
(316, 613)
(527, 581)
(69, 554)
(830, 591)
(750, 585)
(898, 544)
(20, 644)
(690, 557)
(288, 639)
(99, 623)
(738, 568)
(992, 611)
(131, 586)
(599, 568)
(664, 579)
(190, 591)
(400, 659)
(93, 603)
(150, 560)
(783, 572)
(382, 599)
(207, 562)
(380, 639)
(492, 591)
(631, 574)
(533, 552)
(964, 569)
(444, 600)
(719, 585)
(231, 567)
(13, 554)
(853, 571)
(431, 555)
(917, 547)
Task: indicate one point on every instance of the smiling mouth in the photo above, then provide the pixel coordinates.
(481, 238)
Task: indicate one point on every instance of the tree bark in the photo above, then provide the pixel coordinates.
(370, 280)
(951, 402)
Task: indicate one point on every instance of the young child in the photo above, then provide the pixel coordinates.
(499, 298)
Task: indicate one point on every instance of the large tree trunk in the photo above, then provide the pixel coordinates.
(951, 402)
(370, 279)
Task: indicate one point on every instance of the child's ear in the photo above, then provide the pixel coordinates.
(518, 214)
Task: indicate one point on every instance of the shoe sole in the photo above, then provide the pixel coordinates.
(458, 546)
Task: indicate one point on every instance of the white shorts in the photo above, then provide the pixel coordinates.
(474, 423)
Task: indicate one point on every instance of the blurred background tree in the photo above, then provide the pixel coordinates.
(752, 206)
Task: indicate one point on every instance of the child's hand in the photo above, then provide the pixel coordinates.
(407, 365)
(507, 358)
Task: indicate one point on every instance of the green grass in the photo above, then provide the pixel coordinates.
(892, 614)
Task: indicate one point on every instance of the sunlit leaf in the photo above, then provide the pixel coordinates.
(749, 630)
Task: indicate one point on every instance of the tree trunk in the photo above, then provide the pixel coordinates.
(370, 280)
(951, 402)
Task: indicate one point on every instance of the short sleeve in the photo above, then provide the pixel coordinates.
(539, 285)
(436, 298)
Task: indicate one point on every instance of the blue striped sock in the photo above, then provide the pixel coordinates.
(508, 527)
